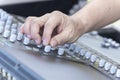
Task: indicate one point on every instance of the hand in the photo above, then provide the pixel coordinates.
(58, 28)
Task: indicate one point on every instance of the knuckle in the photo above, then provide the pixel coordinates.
(47, 24)
(29, 18)
(56, 12)
(33, 24)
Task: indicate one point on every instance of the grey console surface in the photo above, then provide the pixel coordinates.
(54, 69)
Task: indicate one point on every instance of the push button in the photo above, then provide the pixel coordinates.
(13, 37)
(102, 63)
(60, 51)
(47, 48)
(113, 69)
(93, 58)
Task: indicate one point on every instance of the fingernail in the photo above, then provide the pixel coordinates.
(37, 41)
(29, 36)
(53, 43)
(44, 42)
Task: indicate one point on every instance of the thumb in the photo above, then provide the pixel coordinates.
(61, 38)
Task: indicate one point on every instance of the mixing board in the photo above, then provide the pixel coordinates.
(101, 53)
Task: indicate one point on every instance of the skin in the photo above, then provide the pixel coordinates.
(67, 29)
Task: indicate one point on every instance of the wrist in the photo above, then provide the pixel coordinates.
(81, 23)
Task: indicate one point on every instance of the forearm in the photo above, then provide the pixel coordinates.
(98, 13)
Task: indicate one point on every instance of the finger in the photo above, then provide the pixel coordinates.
(22, 29)
(36, 25)
(35, 33)
(61, 38)
(49, 27)
(27, 25)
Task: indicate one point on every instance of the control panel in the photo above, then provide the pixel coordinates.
(101, 53)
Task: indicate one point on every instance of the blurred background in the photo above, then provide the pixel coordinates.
(36, 7)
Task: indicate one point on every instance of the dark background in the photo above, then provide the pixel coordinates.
(39, 8)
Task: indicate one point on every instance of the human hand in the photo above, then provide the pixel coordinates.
(56, 28)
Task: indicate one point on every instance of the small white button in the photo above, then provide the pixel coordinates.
(113, 69)
(13, 31)
(6, 33)
(107, 66)
(93, 58)
(13, 37)
(109, 40)
(9, 77)
(26, 41)
(77, 49)
(106, 45)
(116, 45)
(47, 48)
(66, 45)
(82, 52)
(94, 33)
(60, 51)
(20, 36)
(4, 72)
(102, 63)
(118, 73)
(35, 49)
(87, 55)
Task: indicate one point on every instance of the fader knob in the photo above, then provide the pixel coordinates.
(87, 55)
(60, 51)
(102, 63)
(9, 77)
(118, 73)
(113, 69)
(26, 40)
(106, 45)
(116, 45)
(47, 48)
(13, 37)
(107, 66)
(6, 33)
(20, 36)
(93, 58)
